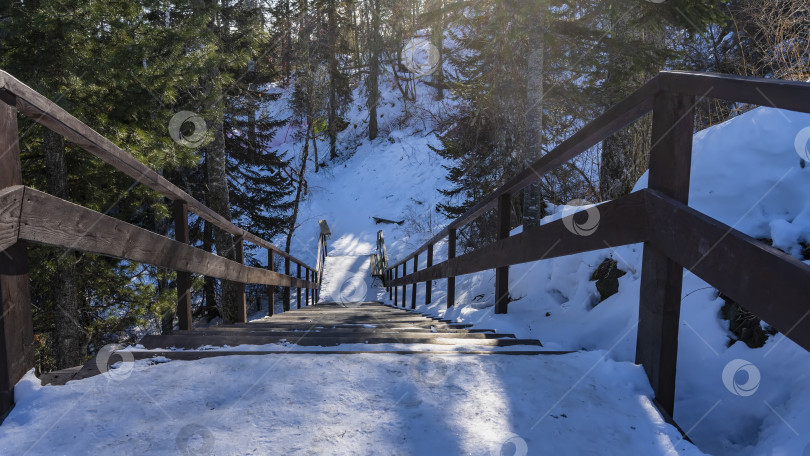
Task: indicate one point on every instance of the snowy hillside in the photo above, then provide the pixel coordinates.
(746, 173)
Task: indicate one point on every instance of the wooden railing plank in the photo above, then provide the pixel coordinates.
(771, 284)
(622, 222)
(52, 116)
(86, 230)
(789, 95)
(11, 199)
(619, 116)
(184, 318)
(662, 278)
(502, 272)
(16, 319)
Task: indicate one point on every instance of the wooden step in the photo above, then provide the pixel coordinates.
(404, 335)
(307, 325)
(196, 341)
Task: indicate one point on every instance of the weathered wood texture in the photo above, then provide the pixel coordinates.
(241, 301)
(662, 278)
(451, 279)
(413, 290)
(635, 106)
(621, 222)
(184, 318)
(502, 272)
(429, 283)
(86, 230)
(271, 290)
(50, 115)
(771, 284)
(16, 325)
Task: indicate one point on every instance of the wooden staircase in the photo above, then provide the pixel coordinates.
(329, 328)
(333, 324)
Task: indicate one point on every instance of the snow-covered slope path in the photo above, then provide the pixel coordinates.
(360, 404)
(347, 279)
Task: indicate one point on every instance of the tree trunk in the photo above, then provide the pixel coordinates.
(625, 154)
(70, 336)
(217, 196)
(333, 75)
(533, 148)
(438, 39)
(374, 71)
(299, 190)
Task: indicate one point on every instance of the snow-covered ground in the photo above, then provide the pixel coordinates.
(347, 278)
(578, 404)
(746, 173)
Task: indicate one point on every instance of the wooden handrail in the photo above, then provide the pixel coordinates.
(619, 116)
(28, 215)
(49, 114)
(764, 280)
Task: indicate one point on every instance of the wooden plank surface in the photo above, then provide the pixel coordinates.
(767, 282)
(85, 230)
(184, 318)
(52, 116)
(11, 199)
(621, 222)
(617, 117)
(16, 325)
(662, 278)
(776, 93)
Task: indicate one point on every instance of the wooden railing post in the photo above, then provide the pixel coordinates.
(306, 295)
(404, 286)
(298, 290)
(396, 294)
(286, 302)
(241, 304)
(413, 291)
(390, 289)
(184, 319)
(429, 283)
(661, 278)
(502, 273)
(451, 281)
(16, 320)
(271, 290)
